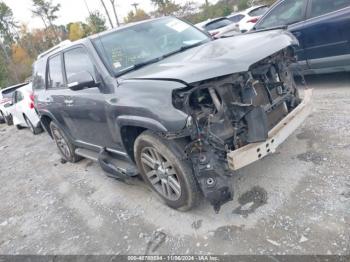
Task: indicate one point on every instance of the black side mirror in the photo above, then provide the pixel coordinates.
(81, 80)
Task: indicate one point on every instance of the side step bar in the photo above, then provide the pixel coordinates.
(115, 167)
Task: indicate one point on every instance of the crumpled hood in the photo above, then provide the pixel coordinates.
(217, 58)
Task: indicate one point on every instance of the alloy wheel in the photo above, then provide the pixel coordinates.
(61, 143)
(161, 173)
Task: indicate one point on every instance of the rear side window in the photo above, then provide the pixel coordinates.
(236, 18)
(286, 13)
(19, 96)
(77, 60)
(8, 93)
(39, 74)
(321, 7)
(55, 77)
(259, 11)
(218, 24)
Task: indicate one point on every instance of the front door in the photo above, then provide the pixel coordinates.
(327, 34)
(85, 109)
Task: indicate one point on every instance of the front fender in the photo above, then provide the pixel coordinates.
(139, 121)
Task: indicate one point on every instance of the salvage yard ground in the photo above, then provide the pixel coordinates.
(296, 201)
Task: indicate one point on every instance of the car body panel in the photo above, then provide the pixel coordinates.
(324, 40)
(22, 108)
(225, 56)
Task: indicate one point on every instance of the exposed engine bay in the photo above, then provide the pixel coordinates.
(229, 112)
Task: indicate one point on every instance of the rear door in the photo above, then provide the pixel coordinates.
(327, 33)
(17, 108)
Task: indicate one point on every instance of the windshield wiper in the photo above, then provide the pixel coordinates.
(139, 65)
(184, 48)
(157, 59)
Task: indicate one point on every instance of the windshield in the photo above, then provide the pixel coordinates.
(126, 49)
(218, 24)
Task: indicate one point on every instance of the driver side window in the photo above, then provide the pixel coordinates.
(286, 13)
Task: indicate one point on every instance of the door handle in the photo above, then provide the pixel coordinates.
(68, 101)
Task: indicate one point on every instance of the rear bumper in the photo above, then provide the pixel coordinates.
(256, 151)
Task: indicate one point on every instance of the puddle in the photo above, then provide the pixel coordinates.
(312, 157)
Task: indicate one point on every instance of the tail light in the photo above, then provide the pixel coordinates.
(253, 20)
(31, 103)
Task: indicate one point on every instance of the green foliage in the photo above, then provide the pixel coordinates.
(96, 22)
(7, 24)
(136, 16)
(165, 7)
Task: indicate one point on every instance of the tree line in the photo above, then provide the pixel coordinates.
(19, 46)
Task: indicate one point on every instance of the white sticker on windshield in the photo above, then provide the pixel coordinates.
(178, 26)
(117, 65)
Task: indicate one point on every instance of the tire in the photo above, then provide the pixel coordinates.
(33, 129)
(161, 164)
(19, 127)
(8, 120)
(65, 147)
(2, 118)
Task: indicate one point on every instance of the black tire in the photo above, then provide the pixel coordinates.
(33, 129)
(65, 147)
(19, 127)
(8, 120)
(2, 118)
(172, 168)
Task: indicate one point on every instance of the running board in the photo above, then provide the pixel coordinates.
(115, 167)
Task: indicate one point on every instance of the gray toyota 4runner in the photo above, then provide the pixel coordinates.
(162, 99)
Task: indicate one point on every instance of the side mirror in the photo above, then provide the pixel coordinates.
(81, 80)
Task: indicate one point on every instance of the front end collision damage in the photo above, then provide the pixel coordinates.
(232, 112)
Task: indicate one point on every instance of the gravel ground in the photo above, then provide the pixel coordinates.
(296, 201)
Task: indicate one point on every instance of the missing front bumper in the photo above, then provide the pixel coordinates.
(253, 152)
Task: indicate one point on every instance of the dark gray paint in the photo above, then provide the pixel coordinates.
(143, 98)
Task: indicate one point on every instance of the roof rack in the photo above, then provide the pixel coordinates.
(60, 45)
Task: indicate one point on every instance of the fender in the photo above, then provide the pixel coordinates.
(139, 121)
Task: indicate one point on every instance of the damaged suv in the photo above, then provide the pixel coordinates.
(162, 99)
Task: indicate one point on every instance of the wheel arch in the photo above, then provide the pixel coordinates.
(132, 126)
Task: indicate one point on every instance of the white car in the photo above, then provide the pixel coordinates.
(246, 19)
(5, 102)
(219, 27)
(22, 110)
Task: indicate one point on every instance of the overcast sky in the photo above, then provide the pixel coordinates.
(75, 10)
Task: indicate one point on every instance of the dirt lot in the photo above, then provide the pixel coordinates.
(294, 202)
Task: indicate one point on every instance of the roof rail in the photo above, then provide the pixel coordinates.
(60, 45)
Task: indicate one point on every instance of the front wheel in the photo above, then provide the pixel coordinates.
(163, 167)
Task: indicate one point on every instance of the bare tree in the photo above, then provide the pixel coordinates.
(107, 13)
(113, 3)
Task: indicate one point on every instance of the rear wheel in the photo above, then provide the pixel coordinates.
(65, 147)
(33, 129)
(2, 118)
(163, 168)
(8, 120)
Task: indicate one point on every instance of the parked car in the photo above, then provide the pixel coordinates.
(218, 27)
(246, 19)
(322, 28)
(185, 115)
(22, 110)
(5, 102)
